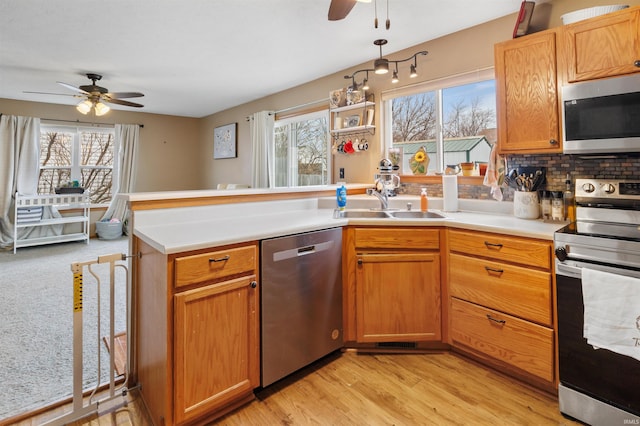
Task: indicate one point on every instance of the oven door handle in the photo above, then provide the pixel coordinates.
(568, 271)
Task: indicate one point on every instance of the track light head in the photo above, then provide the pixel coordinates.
(413, 73)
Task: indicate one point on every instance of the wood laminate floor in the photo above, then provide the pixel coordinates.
(364, 389)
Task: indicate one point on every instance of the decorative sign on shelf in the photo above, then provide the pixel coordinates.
(225, 141)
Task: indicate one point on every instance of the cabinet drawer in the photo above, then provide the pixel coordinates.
(519, 291)
(502, 247)
(214, 265)
(519, 343)
(397, 238)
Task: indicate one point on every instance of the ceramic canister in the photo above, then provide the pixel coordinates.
(526, 205)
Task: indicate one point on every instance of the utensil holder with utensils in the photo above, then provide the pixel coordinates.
(526, 181)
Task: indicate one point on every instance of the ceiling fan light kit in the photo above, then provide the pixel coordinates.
(96, 97)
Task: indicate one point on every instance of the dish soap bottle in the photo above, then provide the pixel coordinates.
(341, 197)
(569, 201)
(424, 201)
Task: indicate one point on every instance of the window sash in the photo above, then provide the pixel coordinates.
(437, 86)
(292, 160)
(75, 170)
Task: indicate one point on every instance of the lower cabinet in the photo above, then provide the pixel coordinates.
(500, 303)
(393, 285)
(198, 332)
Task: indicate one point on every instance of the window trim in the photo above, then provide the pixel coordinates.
(482, 74)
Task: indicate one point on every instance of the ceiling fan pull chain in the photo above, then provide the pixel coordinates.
(375, 8)
(388, 23)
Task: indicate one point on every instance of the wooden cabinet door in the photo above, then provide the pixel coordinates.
(527, 94)
(216, 346)
(603, 47)
(398, 297)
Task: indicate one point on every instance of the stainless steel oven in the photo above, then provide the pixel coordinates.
(597, 386)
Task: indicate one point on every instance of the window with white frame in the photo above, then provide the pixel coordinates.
(302, 150)
(83, 156)
(452, 119)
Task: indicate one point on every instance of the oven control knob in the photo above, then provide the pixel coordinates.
(588, 187)
(561, 254)
(609, 189)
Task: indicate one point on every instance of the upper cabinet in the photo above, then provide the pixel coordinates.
(605, 46)
(527, 94)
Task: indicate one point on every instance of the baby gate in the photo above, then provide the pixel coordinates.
(83, 407)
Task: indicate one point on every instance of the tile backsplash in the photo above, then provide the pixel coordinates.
(622, 166)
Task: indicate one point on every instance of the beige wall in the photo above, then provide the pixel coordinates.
(168, 144)
(176, 153)
(461, 52)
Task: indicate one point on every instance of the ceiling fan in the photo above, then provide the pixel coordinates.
(339, 9)
(96, 96)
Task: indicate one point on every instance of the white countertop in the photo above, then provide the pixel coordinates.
(190, 228)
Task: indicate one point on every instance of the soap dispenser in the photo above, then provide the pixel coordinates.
(424, 201)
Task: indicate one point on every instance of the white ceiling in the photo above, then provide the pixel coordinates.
(197, 57)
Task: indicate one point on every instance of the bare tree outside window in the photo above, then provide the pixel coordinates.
(85, 156)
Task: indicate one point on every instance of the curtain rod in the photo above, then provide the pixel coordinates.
(83, 122)
(280, 111)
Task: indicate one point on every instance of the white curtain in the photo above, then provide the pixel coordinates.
(262, 159)
(128, 136)
(19, 167)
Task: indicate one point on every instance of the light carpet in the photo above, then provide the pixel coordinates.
(36, 331)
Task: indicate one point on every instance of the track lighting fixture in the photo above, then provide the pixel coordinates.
(381, 66)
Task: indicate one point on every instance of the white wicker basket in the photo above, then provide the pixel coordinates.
(580, 15)
(109, 230)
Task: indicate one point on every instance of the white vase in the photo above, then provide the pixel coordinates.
(526, 205)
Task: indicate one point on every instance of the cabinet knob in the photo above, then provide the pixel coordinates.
(253, 284)
(359, 261)
(637, 63)
(553, 142)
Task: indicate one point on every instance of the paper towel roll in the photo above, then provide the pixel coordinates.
(450, 193)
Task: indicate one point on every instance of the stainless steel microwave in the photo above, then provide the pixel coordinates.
(602, 116)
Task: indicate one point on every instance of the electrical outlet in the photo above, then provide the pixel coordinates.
(341, 172)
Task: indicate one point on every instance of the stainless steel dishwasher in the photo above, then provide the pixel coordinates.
(301, 306)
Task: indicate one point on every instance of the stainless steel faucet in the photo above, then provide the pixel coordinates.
(380, 195)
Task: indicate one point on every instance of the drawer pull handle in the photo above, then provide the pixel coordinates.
(492, 245)
(221, 259)
(494, 270)
(499, 321)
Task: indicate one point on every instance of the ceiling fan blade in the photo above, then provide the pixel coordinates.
(49, 93)
(120, 95)
(121, 102)
(339, 9)
(74, 88)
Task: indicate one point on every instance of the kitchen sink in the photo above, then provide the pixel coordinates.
(386, 214)
(361, 214)
(416, 215)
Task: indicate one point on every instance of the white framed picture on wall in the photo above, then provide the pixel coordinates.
(225, 141)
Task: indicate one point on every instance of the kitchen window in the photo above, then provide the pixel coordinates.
(82, 154)
(302, 151)
(453, 118)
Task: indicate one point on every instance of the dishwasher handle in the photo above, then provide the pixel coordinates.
(302, 251)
